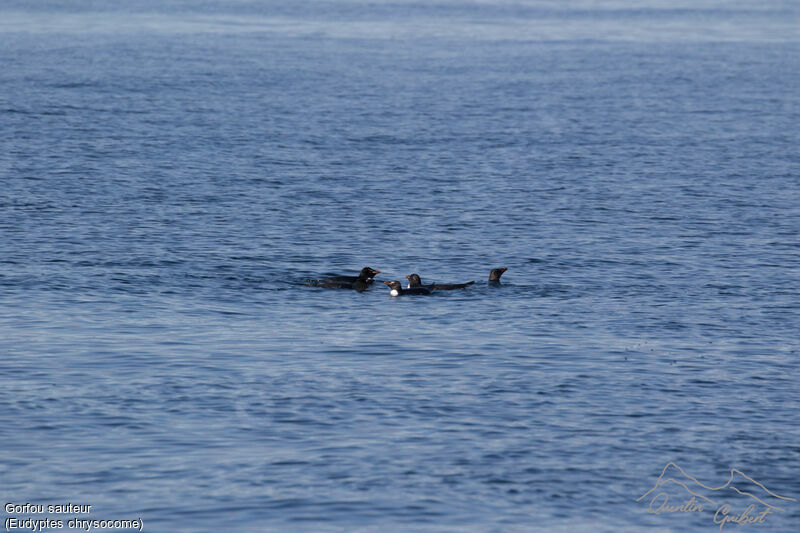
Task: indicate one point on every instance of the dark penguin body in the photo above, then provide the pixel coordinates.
(494, 275)
(397, 289)
(359, 283)
(415, 281)
(366, 273)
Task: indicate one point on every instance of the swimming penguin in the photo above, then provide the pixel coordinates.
(397, 289)
(415, 281)
(494, 275)
(366, 273)
(359, 283)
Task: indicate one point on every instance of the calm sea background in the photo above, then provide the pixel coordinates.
(173, 171)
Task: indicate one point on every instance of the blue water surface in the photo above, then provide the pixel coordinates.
(172, 173)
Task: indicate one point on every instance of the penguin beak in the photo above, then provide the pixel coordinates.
(387, 282)
(408, 276)
(504, 269)
(376, 271)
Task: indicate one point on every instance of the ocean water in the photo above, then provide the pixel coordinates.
(172, 173)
